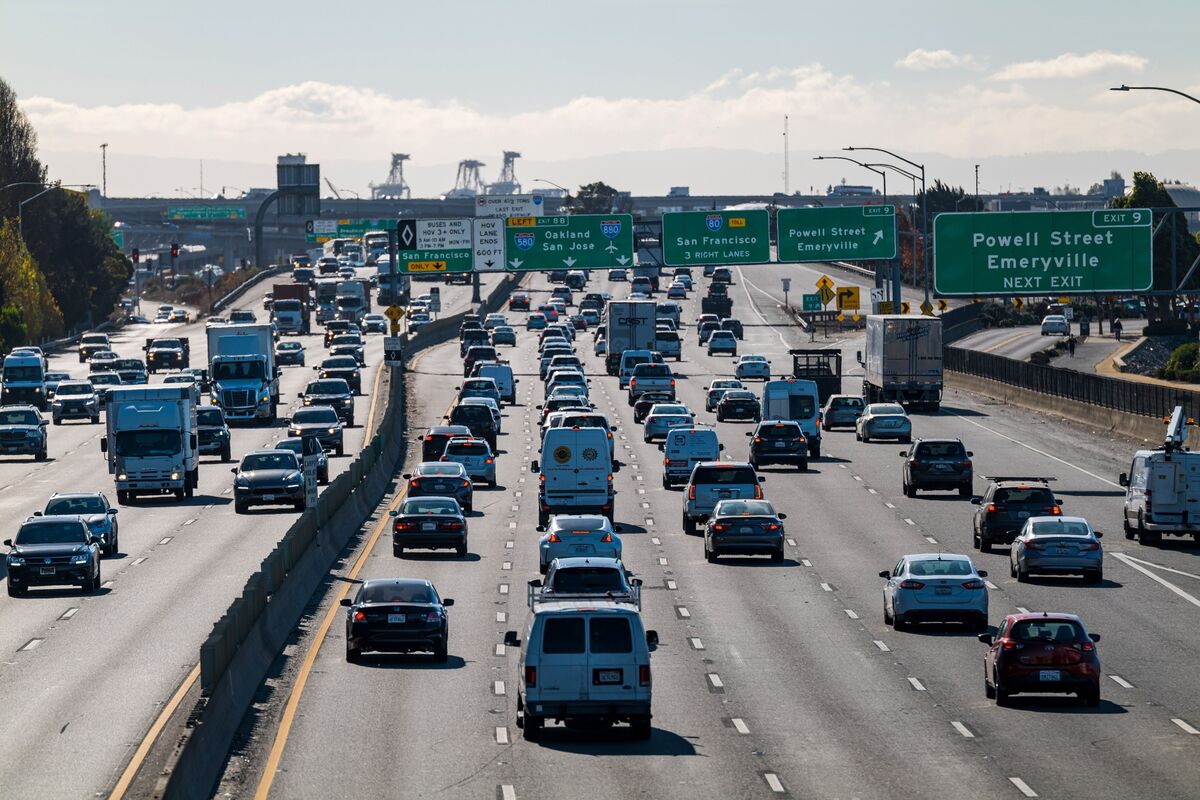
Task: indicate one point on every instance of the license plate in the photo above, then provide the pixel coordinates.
(1050, 675)
(941, 467)
(725, 493)
(441, 487)
(608, 676)
(781, 444)
(428, 526)
(396, 619)
(941, 590)
(268, 497)
(47, 570)
(1062, 551)
(581, 548)
(1022, 515)
(744, 529)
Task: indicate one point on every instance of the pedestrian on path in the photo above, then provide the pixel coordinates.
(1071, 345)
(1117, 328)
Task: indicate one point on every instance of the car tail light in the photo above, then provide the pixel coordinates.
(912, 462)
(554, 537)
(487, 461)
(415, 483)
(433, 616)
(771, 526)
(692, 492)
(1034, 545)
(405, 526)
(632, 382)
(758, 495)
(450, 526)
(910, 584)
(992, 508)
(1009, 644)
(672, 381)
(429, 438)
(1085, 646)
(606, 538)
(717, 526)
(644, 674)
(466, 484)
(360, 616)
(1056, 511)
(818, 422)
(966, 464)
(530, 676)
(1090, 546)
(975, 584)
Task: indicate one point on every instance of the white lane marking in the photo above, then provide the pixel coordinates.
(501, 735)
(506, 565)
(639, 477)
(501, 616)
(889, 505)
(1023, 609)
(1039, 452)
(683, 612)
(740, 726)
(931, 540)
(1160, 566)
(504, 588)
(500, 650)
(916, 684)
(645, 505)
(228, 490)
(883, 648)
(70, 612)
(517, 494)
(696, 643)
(106, 585)
(512, 526)
(508, 545)
(850, 613)
(137, 561)
(990, 585)
(1021, 785)
(516, 508)
(662, 561)
(32, 644)
(498, 688)
(672, 585)
(791, 542)
(1130, 561)
(754, 308)
(655, 540)
(963, 729)
(858, 477)
(1181, 723)
(770, 777)
(507, 792)
(872, 491)
(641, 491)
(189, 522)
(843, 466)
(713, 678)
(649, 520)
(825, 587)
(165, 540)
(1119, 681)
(908, 521)
(805, 562)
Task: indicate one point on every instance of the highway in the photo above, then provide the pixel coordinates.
(83, 677)
(1022, 341)
(771, 679)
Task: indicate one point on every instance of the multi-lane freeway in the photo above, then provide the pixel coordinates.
(771, 678)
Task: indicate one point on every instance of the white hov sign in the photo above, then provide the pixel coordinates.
(508, 205)
(489, 244)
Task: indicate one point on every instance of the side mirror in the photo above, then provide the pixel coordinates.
(8, 543)
(749, 433)
(511, 639)
(904, 454)
(986, 638)
(534, 468)
(612, 428)
(970, 454)
(976, 501)
(299, 394)
(447, 602)
(1098, 534)
(1058, 502)
(37, 513)
(93, 540)
(538, 407)
(981, 573)
(346, 601)
(1123, 479)
(536, 583)
(762, 478)
(1095, 637)
(43, 423)
(885, 574)
(858, 357)
(112, 512)
(315, 367)
(652, 638)
(407, 475)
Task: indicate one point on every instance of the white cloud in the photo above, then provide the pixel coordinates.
(1071, 65)
(922, 60)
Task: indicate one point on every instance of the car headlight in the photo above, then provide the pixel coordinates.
(347, 401)
(294, 479)
(16, 561)
(57, 403)
(333, 430)
(122, 476)
(82, 558)
(174, 476)
(241, 482)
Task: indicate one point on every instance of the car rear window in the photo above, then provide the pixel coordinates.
(562, 635)
(471, 414)
(466, 449)
(724, 475)
(941, 449)
(745, 508)
(934, 568)
(783, 430)
(847, 402)
(588, 580)
(397, 593)
(1024, 494)
(1046, 630)
(666, 336)
(610, 635)
(1060, 528)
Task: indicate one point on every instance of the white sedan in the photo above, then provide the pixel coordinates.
(575, 535)
(935, 587)
(1055, 324)
(752, 367)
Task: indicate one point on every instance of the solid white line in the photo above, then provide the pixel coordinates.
(773, 781)
(696, 643)
(1160, 566)
(501, 735)
(825, 587)
(713, 678)
(501, 616)
(1127, 560)
(883, 648)
(1023, 787)
(850, 613)
(500, 649)
(683, 612)
(507, 792)
(1181, 723)
(916, 684)
(1119, 681)
(963, 729)
(32, 644)
(70, 612)
(498, 688)
(740, 726)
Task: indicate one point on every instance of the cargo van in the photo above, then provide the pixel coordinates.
(584, 661)
(1162, 488)
(502, 374)
(798, 401)
(576, 473)
(683, 449)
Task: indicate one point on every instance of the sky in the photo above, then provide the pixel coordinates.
(643, 94)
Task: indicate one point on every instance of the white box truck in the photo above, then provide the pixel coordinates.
(245, 378)
(151, 442)
(902, 360)
(629, 326)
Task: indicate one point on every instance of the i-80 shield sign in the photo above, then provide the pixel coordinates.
(576, 241)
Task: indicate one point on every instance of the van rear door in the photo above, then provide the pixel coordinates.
(612, 658)
(576, 463)
(562, 665)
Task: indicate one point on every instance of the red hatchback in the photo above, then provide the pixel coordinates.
(1041, 653)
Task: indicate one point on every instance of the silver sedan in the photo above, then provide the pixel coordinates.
(934, 587)
(1057, 545)
(883, 421)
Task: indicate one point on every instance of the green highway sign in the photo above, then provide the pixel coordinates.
(319, 231)
(205, 212)
(1042, 252)
(837, 233)
(812, 302)
(434, 245)
(575, 241)
(692, 238)
(118, 237)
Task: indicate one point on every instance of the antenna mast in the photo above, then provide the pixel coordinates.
(786, 168)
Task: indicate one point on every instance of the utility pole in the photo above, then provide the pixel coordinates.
(977, 206)
(786, 169)
(104, 170)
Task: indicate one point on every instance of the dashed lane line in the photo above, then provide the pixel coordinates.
(1119, 681)
(1185, 727)
(916, 684)
(883, 648)
(740, 726)
(1023, 787)
(962, 729)
(773, 781)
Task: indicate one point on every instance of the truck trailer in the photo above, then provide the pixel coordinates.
(902, 362)
(629, 325)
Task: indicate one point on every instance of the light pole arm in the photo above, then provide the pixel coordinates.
(890, 153)
(1124, 88)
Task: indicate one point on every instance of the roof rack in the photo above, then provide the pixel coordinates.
(1028, 478)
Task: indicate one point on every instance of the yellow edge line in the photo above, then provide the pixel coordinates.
(143, 749)
(293, 702)
(1009, 340)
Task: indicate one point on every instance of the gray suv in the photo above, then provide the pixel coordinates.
(714, 481)
(23, 432)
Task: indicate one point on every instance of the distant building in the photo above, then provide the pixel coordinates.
(680, 191)
(846, 190)
(1114, 187)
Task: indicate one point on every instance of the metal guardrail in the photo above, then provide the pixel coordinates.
(1130, 397)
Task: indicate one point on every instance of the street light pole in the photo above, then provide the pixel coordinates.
(1124, 88)
(104, 170)
(880, 278)
(924, 211)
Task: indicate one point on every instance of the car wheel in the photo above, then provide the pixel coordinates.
(491, 484)
(857, 435)
(909, 490)
(898, 623)
(984, 545)
(353, 655)
(1129, 533)
(300, 506)
(864, 437)
(689, 526)
(907, 440)
(887, 616)
(239, 507)
(1003, 696)
(709, 555)
(122, 497)
(1094, 576)
(777, 556)
(666, 484)
(441, 653)
(350, 422)
(989, 691)
(15, 590)
(532, 727)
(965, 490)
(341, 450)
(96, 420)
(1022, 575)
(1012, 568)
(641, 729)
(1090, 698)
(816, 451)
(56, 420)
(41, 456)
(323, 477)
(461, 550)
(802, 466)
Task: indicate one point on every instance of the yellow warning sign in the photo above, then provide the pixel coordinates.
(942, 305)
(425, 266)
(824, 282)
(394, 313)
(905, 307)
(826, 295)
(847, 298)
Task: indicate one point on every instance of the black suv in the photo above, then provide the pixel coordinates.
(776, 441)
(732, 325)
(344, 367)
(213, 432)
(1008, 502)
(53, 550)
(478, 419)
(335, 327)
(332, 392)
(937, 464)
(471, 338)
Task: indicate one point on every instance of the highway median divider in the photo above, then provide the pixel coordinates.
(188, 759)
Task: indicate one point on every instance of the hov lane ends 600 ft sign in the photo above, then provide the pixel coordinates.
(1042, 252)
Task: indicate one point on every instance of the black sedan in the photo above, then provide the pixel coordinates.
(332, 392)
(442, 479)
(744, 527)
(433, 443)
(344, 367)
(647, 401)
(738, 404)
(321, 422)
(429, 523)
(213, 431)
(267, 478)
(396, 615)
(53, 550)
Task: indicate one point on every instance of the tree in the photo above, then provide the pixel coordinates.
(594, 198)
(18, 153)
(1148, 192)
(24, 290)
(941, 198)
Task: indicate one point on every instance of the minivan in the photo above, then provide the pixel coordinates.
(584, 661)
(798, 401)
(683, 449)
(575, 474)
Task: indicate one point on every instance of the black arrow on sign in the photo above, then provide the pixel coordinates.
(489, 263)
(846, 294)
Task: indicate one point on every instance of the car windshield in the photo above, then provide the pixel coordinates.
(744, 508)
(53, 532)
(148, 442)
(275, 460)
(429, 505)
(724, 475)
(237, 370)
(210, 416)
(75, 505)
(397, 593)
(15, 373)
(439, 469)
(179, 379)
(338, 386)
(1057, 527)
(726, 385)
(339, 363)
(19, 417)
(294, 445)
(94, 338)
(307, 416)
(1046, 630)
(936, 568)
(66, 389)
(347, 338)
(1024, 494)
(941, 449)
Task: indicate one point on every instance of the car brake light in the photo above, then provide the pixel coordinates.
(771, 526)
(1055, 511)
(966, 463)
(429, 438)
(450, 526)
(692, 492)
(1032, 545)
(607, 538)
(415, 483)
(1091, 546)
(530, 676)
(973, 585)
(433, 616)
(757, 439)
(717, 526)
(992, 507)
(672, 381)
(359, 616)
(554, 538)
(644, 674)
(758, 495)
(405, 526)
(487, 461)
(1008, 644)
(466, 483)
(818, 422)
(1086, 646)
(909, 584)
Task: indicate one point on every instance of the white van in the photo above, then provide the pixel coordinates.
(584, 660)
(799, 401)
(502, 374)
(683, 449)
(1162, 495)
(576, 473)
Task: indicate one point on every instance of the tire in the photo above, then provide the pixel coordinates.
(966, 490)
(857, 435)
(96, 420)
(984, 545)
(350, 422)
(777, 556)
(341, 450)
(323, 478)
(441, 653)
(906, 440)
(899, 624)
(1148, 538)
(300, 506)
(353, 655)
(864, 437)
(641, 729)
(461, 551)
(56, 420)
(190, 480)
(816, 451)
(720, 417)
(1022, 575)
(709, 555)
(122, 497)
(1094, 576)
(909, 490)
(1129, 532)
(227, 454)
(989, 691)
(1003, 697)
(802, 466)
(239, 507)
(1091, 698)
(491, 484)
(689, 526)
(543, 517)
(887, 617)
(1012, 569)
(532, 727)
(665, 483)
(41, 455)
(397, 551)
(180, 493)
